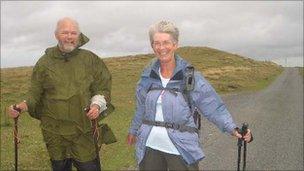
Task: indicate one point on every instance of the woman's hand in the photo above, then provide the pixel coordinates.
(247, 137)
(131, 139)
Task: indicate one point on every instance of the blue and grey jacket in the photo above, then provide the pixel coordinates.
(176, 109)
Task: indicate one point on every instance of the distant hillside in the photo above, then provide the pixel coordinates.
(226, 72)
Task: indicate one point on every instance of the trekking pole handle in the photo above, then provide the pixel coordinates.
(87, 109)
(244, 128)
(16, 108)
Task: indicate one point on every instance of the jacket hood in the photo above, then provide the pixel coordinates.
(83, 39)
(54, 51)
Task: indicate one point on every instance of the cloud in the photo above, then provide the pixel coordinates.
(256, 29)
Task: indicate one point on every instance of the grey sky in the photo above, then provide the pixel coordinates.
(256, 29)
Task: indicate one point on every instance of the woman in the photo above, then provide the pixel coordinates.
(163, 126)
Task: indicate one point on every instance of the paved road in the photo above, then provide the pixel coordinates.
(275, 115)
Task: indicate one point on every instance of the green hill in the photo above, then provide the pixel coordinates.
(226, 72)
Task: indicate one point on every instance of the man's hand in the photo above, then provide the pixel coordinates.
(131, 139)
(93, 113)
(247, 137)
(14, 113)
(100, 101)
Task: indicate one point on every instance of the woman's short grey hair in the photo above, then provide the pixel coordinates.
(164, 27)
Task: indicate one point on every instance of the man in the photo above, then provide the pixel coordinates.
(65, 80)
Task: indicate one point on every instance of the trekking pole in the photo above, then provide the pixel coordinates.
(96, 137)
(16, 140)
(243, 132)
(244, 155)
(94, 125)
(239, 144)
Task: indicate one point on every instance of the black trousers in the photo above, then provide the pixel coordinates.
(66, 165)
(157, 160)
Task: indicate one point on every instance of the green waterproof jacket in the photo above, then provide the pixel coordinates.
(62, 86)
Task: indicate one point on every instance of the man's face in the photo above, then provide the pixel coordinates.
(67, 36)
(164, 47)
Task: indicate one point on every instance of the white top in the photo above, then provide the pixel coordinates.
(158, 138)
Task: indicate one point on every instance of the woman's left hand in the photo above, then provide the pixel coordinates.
(247, 137)
(131, 139)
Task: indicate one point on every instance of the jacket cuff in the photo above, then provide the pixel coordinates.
(231, 129)
(100, 101)
(32, 108)
(132, 131)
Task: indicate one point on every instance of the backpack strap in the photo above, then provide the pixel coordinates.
(180, 127)
(188, 87)
(171, 90)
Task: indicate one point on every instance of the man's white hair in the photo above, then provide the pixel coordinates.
(66, 19)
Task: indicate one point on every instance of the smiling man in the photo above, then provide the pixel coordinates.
(67, 33)
(65, 80)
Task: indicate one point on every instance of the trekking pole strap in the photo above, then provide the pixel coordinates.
(95, 131)
(171, 90)
(94, 125)
(179, 127)
(243, 132)
(15, 131)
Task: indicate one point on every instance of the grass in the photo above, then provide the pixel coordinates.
(301, 71)
(226, 72)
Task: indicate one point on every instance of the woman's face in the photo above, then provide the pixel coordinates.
(164, 47)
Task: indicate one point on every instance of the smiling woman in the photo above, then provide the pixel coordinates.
(164, 48)
(169, 93)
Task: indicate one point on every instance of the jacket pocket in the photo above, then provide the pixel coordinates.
(189, 142)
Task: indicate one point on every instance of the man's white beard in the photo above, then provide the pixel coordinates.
(66, 47)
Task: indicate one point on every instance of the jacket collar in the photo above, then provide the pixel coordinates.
(61, 55)
(55, 51)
